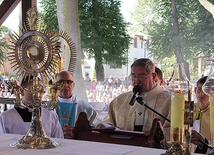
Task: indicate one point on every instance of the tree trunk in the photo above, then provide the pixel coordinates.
(99, 71)
(176, 39)
(68, 20)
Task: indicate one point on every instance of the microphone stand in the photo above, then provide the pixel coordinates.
(140, 100)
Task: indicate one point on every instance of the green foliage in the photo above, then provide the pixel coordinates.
(48, 15)
(103, 31)
(167, 66)
(3, 44)
(203, 28)
(102, 27)
(196, 26)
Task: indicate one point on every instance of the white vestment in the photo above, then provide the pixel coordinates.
(12, 122)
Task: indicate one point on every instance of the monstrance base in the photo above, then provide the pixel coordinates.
(175, 149)
(35, 142)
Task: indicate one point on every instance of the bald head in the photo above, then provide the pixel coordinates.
(63, 74)
(67, 81)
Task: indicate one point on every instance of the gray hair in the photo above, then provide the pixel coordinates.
(145, 62)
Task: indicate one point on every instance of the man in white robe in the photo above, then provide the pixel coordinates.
(137, 117)
(18, 119)
(70, 105)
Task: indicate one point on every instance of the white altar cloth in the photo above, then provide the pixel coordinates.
(74, 147)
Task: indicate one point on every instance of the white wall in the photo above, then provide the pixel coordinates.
(134, 53)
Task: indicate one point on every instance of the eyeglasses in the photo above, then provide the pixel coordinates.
(140, 77)
(65, 81)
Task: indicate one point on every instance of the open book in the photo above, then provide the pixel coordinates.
(112, 129)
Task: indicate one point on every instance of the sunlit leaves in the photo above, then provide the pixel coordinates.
(3, 43)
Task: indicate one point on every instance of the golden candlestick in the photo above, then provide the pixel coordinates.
(178, 86)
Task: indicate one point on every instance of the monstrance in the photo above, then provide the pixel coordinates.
(36, 53)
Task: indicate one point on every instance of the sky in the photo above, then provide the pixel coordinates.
(127, 7)
(13, 20)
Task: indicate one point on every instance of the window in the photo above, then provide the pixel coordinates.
(135, 42)
(141, 43)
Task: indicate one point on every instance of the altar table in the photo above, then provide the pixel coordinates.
(74, 147)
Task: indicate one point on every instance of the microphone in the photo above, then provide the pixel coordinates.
(136, 91)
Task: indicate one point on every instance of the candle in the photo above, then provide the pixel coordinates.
(177, 117)
(177, 110)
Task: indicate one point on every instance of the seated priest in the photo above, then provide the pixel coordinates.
(135, 116)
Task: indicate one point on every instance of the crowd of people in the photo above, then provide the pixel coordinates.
(105, 91)
(6, 91)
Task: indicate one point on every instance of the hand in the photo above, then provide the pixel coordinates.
(147, 132)
(197, 139)
(68, 131)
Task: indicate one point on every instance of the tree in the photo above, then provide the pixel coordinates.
(3, 44)
(194, 29)
(103, 32)
(203, 28)
(48, 15)
(207, 5)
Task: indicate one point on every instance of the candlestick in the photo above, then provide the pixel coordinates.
(179, 87)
